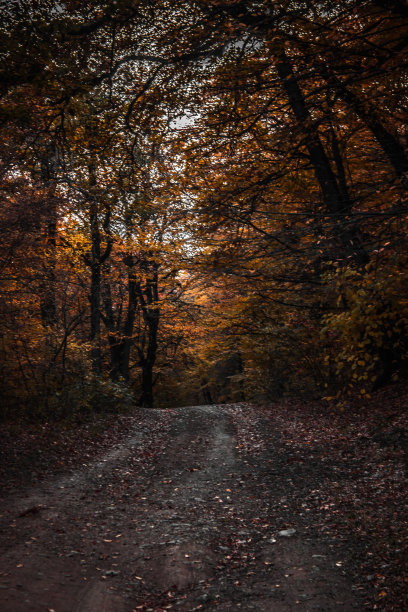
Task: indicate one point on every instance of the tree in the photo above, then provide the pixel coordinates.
(199, 182)
(285, 112)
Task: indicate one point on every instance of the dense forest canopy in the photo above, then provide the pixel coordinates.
(201, 201)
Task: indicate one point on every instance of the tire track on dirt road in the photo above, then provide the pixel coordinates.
(190, 526)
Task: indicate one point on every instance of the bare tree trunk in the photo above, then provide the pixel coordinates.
(121, 336)
(49, 166)
(146, 399)
(149, 298)
(95, 260)
(48, 305)
(95, 295)
(389, 143)
(336, 200)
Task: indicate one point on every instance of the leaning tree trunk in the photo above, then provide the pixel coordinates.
(336, 199)
(391, 146)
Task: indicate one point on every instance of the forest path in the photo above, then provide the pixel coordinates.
(187, 518)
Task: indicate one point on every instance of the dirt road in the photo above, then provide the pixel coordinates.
(201, 514)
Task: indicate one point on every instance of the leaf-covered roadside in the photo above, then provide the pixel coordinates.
(338, 478)
(30, 453)
(366, 447)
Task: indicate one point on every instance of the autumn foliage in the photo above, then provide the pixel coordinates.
(201, 202)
